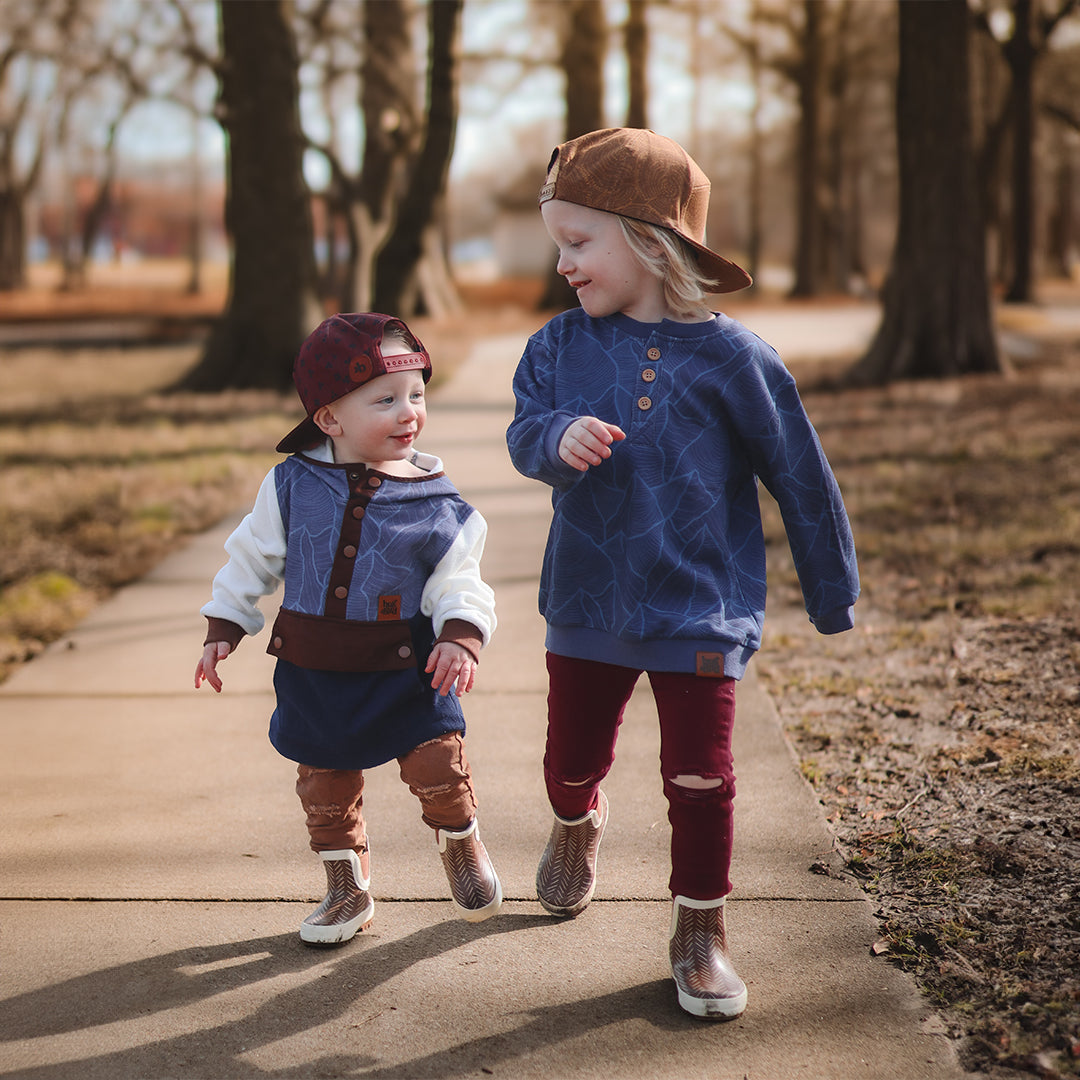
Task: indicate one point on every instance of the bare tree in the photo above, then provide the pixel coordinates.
(37, 39)
(583, 50)
(272, 302)
(411, 274)
(936, 319)
(809, 217)
(1062, 108)
(835, 57)
(372, 47)
(636, 46)
(75, 256)
(1023, 47)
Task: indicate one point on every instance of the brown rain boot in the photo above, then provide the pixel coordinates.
(704, 977)
(474, 885)
(566, 876)
(347, 906)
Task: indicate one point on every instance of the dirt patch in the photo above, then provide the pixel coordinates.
(942, 735)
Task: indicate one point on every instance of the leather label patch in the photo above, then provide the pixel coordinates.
(389, 608)
(710, 664)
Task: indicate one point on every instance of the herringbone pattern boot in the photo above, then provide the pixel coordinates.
(566, 876)
(706, 981)
(347, 906)
(474, 885)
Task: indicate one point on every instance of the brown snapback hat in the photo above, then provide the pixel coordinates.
(639, 174)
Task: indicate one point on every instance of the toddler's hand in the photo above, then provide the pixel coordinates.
(587, 441)
(206, 669)
(451, 663)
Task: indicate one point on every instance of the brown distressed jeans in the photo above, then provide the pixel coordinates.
(437, 773)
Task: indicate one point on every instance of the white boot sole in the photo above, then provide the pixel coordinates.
(332, 933)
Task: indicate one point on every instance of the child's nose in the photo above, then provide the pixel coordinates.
(565, 263)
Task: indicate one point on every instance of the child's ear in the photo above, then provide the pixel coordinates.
(326, 421)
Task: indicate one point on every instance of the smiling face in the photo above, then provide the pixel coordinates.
(379, 422)
(596, 260)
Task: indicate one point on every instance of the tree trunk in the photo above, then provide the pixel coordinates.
(390, 106)
(755, 196)
(12, 239)
(1020, 51)
(1062, 227)
(584, 50)
(936, 319)
(273, 302)
(637, 60)
(398, 289)
(809, 230)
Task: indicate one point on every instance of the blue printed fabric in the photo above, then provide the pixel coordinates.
(657, 554)
(408, 527)
(358, 720)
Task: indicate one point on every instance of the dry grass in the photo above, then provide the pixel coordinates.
(943, 736)
(102, 472)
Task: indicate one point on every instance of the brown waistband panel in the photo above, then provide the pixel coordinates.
(322, 643)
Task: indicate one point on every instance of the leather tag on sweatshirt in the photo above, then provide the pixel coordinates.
(710, 665)
(389, 608)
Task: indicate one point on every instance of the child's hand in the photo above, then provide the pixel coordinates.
(451, 663)
(206, 669)
(587, 441)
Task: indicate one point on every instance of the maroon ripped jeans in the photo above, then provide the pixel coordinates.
(586, 701)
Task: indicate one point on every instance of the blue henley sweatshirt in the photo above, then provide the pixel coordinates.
(656, 557)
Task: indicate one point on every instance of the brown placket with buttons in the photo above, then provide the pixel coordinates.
(648, 375)
(362, 486)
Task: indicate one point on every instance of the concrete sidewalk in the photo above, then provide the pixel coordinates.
(154, 867)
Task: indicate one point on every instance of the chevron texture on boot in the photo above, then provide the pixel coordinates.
(566, 876)
(474, 885)
(705, 980)
(347, 907)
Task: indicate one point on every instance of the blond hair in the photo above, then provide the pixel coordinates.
(668, 257)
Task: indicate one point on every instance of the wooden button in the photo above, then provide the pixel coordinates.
(349, 551)
(653, 353)
(358, 512)
(649, 374)
(341, 592)
(644, 403)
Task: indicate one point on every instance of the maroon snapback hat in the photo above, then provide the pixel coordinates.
(342, 353)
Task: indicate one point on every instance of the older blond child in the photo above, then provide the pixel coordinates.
(383, 615)
(653, 419)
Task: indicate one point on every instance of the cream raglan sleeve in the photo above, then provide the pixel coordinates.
(455, 590)
(256, 550)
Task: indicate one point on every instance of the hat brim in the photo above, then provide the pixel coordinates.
(725, 275)
(304, 436)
